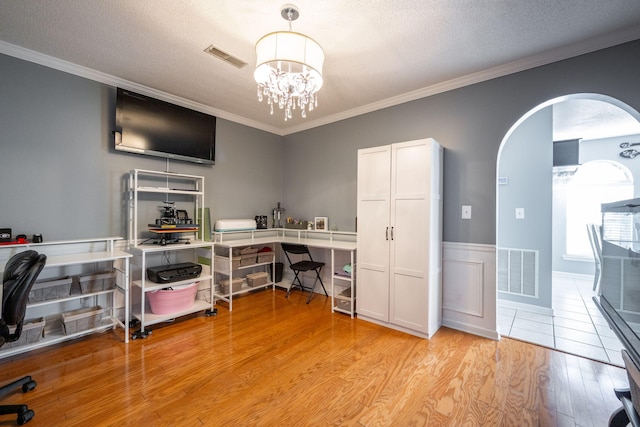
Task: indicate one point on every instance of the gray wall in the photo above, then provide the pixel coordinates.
(61, 176)
(470, 123)
(526, 160)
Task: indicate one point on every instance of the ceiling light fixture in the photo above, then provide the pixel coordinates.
(289, 68)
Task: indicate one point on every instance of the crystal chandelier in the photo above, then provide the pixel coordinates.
(289, 68)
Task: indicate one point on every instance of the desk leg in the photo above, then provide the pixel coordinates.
(230, 279)
(127, 300)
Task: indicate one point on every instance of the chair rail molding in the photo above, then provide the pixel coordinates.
(469, 294)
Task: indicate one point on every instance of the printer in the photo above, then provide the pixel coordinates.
(174, 272)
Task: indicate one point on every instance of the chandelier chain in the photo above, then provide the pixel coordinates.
(290, 18)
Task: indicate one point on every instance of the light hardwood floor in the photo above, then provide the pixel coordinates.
(279, 362)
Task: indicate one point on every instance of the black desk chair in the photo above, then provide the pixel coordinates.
(302, 266)
(627, 413)
(20, 274)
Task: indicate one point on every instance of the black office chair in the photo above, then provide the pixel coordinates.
(302, 266)
(627, 413)
(20, 274)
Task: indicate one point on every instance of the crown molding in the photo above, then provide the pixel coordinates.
(107, 79)
(545, 58)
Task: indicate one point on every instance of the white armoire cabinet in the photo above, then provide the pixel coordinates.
(400, 235)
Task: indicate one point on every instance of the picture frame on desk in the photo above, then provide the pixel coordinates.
(321, 223)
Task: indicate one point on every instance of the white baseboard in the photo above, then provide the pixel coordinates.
(525, 307)
(465, 327)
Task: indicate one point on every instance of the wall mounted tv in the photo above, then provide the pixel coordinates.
(145, 125)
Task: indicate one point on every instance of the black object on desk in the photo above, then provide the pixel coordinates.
(261, 222)
(174, 272)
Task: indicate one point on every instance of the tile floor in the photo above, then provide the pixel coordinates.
(576, 327)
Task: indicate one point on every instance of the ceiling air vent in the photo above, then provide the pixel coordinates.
(230, 59)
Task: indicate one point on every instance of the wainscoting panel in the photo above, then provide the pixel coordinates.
(467, 299)
(469, 294)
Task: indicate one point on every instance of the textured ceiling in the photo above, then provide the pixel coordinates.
(591, 119)
(378, 52)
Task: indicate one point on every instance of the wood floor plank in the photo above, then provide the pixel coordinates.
(278, 361)
(579, 393)
(560, 378)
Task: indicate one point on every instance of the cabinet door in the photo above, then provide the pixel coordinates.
(374, 168)
(409, 257)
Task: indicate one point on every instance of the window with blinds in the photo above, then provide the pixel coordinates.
(596, 182)
(619, 227)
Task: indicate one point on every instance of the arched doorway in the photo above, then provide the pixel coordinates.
(527, 230)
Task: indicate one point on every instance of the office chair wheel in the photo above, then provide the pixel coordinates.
(140, 334)
(619, 418)
(29, 386)
(25, 417)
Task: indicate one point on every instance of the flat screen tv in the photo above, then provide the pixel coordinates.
(566, 153)
(145, 125)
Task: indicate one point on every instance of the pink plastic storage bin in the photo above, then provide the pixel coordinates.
(168, 301)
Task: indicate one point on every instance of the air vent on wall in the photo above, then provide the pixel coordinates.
(230, 59)
(518, 271)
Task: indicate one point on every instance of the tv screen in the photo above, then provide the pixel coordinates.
(566, 153)
(150, 126)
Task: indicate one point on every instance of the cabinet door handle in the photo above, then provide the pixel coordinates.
(386, 234)
(391, 233)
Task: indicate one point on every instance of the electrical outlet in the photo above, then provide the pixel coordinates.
(466, 212)
(519, 213)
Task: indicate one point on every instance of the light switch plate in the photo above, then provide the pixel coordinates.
(466, 212)
(519, 213)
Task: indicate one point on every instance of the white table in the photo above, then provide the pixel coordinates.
(330, 240)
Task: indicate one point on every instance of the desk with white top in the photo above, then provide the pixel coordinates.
(342, 246)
